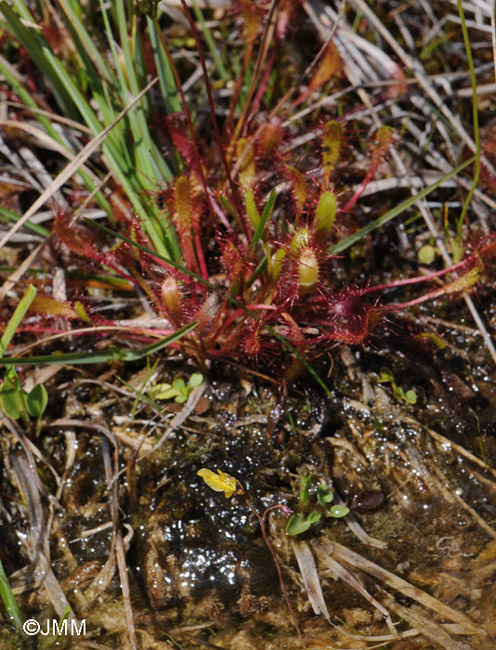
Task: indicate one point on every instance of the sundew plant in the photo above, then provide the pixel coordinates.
(231, 211)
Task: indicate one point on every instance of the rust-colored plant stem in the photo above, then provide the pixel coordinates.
(261, 521)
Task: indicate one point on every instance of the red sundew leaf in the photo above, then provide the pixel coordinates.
(328, 66)
(233, 260)
(77, 239)
(332, 140)
(285, 15)
(84, 243)
(383, 139)
(180, 135)
(400, 88)
(487, 250)
(256, 347)
(351, 317)
(173, 301)
(56, 37)
(298, 186)
(207, 313)
(253, 18)
(270, 139)
(183, 203)
(187, 217)
(52, 307)
(246, 156)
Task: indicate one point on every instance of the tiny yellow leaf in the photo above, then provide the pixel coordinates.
(219, 482)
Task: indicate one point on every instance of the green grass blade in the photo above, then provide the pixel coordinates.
(85, 46)
(391, 214)
(16, 318)
(9, 600)
(23, 11)
(112, 354)
(9, 215)
(166, 78)
(133, 178)
(159, 345)
(38, 50)
(24, 96)
(266, 214)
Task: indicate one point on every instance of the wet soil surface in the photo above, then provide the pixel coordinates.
(412, 566)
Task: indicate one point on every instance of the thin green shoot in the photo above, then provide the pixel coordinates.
(207, 35)
(140, 392)
(291, 422)
(266, 214)
(434, 44)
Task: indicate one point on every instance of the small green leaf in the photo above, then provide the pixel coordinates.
(305, 482)
(11, 403)
(457, 250)
(196, 379)
(324, 495)
(180, 399)
(410, 397)
(179, 384)
(161, 391)
(314, 517)
(12, 395)
(386, 376)
(12, 380)
(427, 254)
(37, 400)
(339, 511)
(297, 524)
(430, 336)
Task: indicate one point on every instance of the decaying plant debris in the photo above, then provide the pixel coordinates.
(103, 514)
